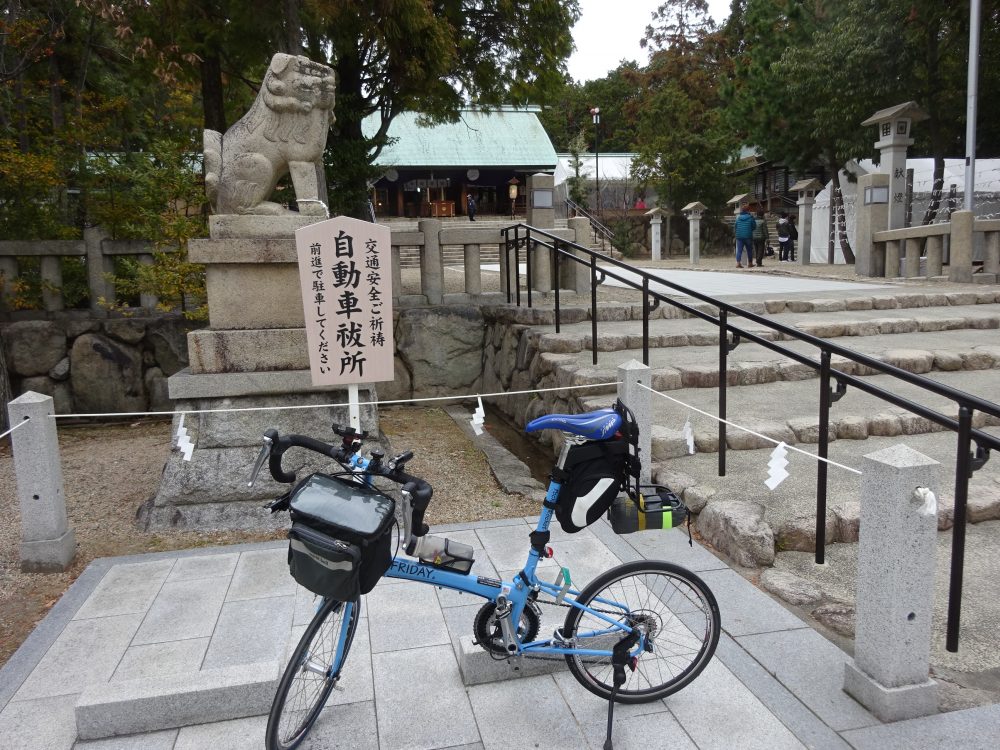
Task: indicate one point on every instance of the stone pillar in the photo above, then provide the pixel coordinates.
(397, 275)
(693, 212)
(541, 214)
(8, 267)
(47, 542)
(806, 191)
(655, 239)
(52, 281)
(148, 301)
(935, 245)
(431, 262)
(473, 273)
(991, 253)
(97, 266)
(960, 254)
(892, 259)
(872, 216)
(913, 257)
(631, 376)
(895, 586)
(577, 278)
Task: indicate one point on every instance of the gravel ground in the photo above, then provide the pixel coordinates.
(110, 470)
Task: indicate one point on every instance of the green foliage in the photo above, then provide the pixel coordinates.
(577, 183)
(156, 196)
(618, 96)
(683, 139)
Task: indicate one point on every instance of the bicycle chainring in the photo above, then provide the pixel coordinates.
(489, 634)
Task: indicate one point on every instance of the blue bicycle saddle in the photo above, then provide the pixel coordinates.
(594, 425)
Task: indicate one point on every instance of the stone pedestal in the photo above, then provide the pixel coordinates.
(252, 356)
(872, 216)
(895, 596)
(47, 541)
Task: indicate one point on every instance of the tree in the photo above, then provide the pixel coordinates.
(683, 143)
(430, 56)
(577, 184)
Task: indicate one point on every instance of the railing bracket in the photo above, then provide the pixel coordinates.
(979, 458)
(836, 395)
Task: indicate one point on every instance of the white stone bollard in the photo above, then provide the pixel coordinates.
(895, 588)
(47, 542)
(639, 400)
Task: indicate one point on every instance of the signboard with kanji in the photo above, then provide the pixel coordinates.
(345, 274)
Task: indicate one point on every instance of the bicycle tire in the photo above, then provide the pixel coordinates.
(655, 593)
(315, 682)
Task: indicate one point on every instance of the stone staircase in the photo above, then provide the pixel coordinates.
(950, 337)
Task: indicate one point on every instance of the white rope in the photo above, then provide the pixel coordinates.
(327, 406)
(19, 424)
(746, 429)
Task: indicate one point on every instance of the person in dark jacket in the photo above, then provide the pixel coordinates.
(760, 237)
(471, 206)
(784, 237)
(744, 237)
(793, 235)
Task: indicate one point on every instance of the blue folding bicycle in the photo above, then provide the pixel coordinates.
(636, 633)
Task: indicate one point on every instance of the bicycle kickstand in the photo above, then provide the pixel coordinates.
(618, 682)
(619, 659)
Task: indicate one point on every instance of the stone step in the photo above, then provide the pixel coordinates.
(742, 518)
(697, 366)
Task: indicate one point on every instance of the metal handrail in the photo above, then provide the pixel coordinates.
(966, 462)
(596, 225)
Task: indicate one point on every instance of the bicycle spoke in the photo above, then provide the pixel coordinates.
(652, 595)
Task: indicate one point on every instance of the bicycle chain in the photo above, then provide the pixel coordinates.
(504, 657)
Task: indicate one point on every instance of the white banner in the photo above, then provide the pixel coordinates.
(346, 279)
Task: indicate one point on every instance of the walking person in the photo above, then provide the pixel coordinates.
(760, 237)
(744, 237)
(784, 236)
(470, 204)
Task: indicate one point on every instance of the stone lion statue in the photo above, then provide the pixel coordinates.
(283, 132)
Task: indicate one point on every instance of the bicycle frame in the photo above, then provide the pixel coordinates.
(517, 592)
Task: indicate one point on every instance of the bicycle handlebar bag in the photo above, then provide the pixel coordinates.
(332, 518)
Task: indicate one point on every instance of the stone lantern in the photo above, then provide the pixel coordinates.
(693, 212)
(894, 127)
(806, 191)
(655, 217)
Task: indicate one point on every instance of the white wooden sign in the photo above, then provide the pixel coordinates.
(346, 279)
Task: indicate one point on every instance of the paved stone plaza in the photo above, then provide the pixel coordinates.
(183, 650)
(158, 647)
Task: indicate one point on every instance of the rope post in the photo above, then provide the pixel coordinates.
(889, 674)
(631, 376)
(47, 542)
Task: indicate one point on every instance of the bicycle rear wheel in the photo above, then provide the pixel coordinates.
(311, 674)
(673, 608)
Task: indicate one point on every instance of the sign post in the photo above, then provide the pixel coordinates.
(346, 280)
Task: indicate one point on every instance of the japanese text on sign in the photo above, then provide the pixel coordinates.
(347, 299)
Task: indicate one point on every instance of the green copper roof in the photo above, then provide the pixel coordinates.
(506, 137)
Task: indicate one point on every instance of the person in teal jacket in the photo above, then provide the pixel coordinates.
(744, 236)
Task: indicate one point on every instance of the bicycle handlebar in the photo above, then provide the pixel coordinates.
(347, 455)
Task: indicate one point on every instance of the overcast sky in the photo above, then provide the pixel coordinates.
(609, 31)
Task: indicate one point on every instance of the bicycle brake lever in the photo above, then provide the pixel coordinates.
(265, 451)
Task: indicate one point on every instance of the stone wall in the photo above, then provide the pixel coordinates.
(100, 365)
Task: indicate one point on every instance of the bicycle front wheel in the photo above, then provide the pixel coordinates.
(669, 605)
(311, 674)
